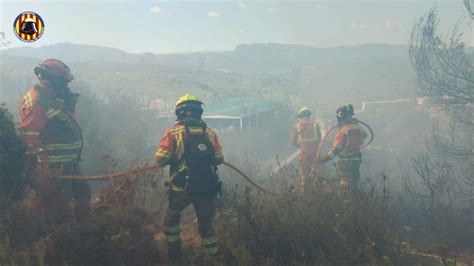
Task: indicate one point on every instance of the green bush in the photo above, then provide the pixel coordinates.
(12, 159)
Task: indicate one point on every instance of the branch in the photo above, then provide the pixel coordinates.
(470, 10)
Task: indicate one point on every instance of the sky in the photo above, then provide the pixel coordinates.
(190, 26)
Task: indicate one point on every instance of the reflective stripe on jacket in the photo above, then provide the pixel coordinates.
(349, 138)
(48, 128)
(171, 149)
(306, 134)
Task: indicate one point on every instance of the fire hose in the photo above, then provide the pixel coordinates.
(248, 179)
(149, 168)
(324, 139)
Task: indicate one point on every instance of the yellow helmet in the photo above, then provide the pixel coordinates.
(187, 98)
(304, 111)
(188, 105)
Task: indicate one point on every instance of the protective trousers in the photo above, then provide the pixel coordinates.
(309, 168)
(55, 196)
(348, 171)
(81, 191)
(204, 207)
(306, 164)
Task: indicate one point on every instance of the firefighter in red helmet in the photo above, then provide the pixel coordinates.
(54, 139)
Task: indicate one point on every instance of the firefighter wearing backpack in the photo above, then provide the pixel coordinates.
(193, 152)
(306, 134)
(347, 142)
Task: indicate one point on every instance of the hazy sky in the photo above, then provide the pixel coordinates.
(177, 26)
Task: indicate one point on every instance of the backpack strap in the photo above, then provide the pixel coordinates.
(178, 179)
(188, 133)
(186, 128)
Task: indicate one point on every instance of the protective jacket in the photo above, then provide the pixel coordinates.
(349, 138)
(171, 148)
(306, 134)
(49, 128)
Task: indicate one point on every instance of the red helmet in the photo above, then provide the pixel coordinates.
(53, 68)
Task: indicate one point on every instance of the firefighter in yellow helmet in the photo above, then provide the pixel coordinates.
(193, 152)
(306, 135)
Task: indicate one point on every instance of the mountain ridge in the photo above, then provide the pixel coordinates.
(245, 58)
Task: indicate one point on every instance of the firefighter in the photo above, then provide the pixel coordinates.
(54, 141)
(193, 152)
(347, 142)
(306, 135)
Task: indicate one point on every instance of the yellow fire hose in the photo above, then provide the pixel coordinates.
(324, 139)
(149, 168)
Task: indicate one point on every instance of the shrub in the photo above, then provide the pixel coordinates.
(12, 160)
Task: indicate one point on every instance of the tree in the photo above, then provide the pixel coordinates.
(445, 73)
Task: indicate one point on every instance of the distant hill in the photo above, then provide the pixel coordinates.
(295, 74)
(73, 53)
(79, 53)
(245, 58)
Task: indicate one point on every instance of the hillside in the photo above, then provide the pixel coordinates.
(321, 76)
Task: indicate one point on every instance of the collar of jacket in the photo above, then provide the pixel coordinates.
(348, 122)
(304, 120)
(46, 89)
(190, 122)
